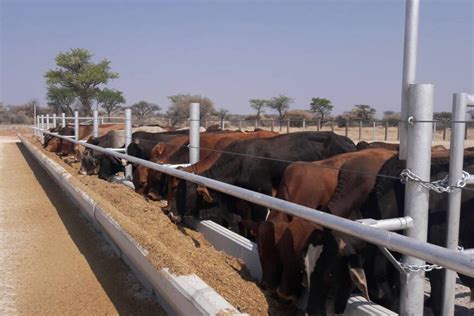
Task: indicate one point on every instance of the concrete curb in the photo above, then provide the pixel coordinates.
(178, 295)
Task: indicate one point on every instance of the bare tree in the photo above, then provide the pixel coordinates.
(141, 110)
(178, 111)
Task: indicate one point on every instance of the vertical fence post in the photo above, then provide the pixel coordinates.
(304, 124)
(37, 119)
(419, 138)
(42, 122)
(465, 130)
(47, 122)
(102, 120)
(63, 119)
(272, 126)
(54, 120)
(398, 130)
(240, 125)
(95, 124)
(386, 131)
(445, 123)
(360, 130)
(434, 130)
(288, 126)
(76, 125)
(346, 131)
(456, 157)
(256, 124)
(318, 125)
(222, 124)
(194, 133)
(412, 13)
(128, 139)
(373, 131)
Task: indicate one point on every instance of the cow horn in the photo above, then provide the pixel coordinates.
(360, 280)
(124, 162)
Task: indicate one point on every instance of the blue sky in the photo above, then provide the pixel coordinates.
(231, 51)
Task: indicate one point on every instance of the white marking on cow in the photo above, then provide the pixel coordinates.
(311, 258)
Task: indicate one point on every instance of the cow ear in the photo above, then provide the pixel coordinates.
(359, 279)
(202, 190)
(252, 226)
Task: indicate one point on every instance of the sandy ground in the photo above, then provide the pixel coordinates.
(52, 261)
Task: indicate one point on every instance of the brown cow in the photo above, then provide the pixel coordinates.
(176, 151)
(311, 185)
(206, 162)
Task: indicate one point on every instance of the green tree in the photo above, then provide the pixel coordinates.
(178, 111)
(364, 113)
(281, 104)
(258, 105)
(322, 107)
(143, 109)
(110, 99)
(60, 100)
(76, 72)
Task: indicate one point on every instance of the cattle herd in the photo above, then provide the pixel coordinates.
(301, 261)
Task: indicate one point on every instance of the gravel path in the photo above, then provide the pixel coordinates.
(52, 261)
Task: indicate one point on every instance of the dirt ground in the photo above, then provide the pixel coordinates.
(52, 261)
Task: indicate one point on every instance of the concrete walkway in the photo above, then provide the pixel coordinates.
(51, 260)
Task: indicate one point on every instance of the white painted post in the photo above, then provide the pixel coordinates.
(76, 125)
(47, 122)
(128, 140)
(304, 124)
(373, 132)
(240, 125)
(54, 120)
(95, 122)
(409, 66)
(420, 98)
(63, 119)
(194, 123)
(456, 157)
(102, 120)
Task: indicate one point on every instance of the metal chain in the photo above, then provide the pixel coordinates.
(424, 267)
(439, 186)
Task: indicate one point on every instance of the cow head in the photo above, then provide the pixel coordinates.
(140, 179)
(89, 163)
(266, 234)
(108, 167)
(333, 276)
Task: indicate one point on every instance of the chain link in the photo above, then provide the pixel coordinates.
(439, 186)
(424, 267)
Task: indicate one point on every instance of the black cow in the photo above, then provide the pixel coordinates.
(94, 162)
(387, 201)
(248, 171)
(143, 142)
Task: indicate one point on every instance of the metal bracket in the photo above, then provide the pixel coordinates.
(392, 260)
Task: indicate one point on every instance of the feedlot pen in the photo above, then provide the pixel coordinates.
(52, 262)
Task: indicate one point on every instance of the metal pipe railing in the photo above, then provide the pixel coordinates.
(435, 254)
(194, 122)
(420, 101)
(412, 14)
(456, 159)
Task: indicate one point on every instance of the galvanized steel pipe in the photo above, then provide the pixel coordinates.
(194, 122)
(412, 13)
(420, 100)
